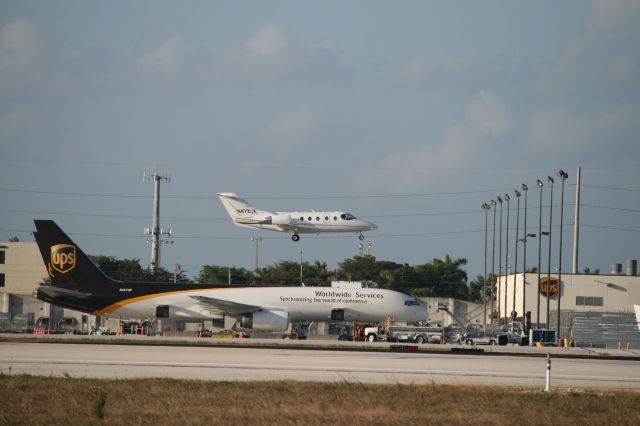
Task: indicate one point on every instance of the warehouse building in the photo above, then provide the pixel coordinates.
(598, 305)
(21, 273)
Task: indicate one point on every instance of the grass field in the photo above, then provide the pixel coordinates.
(50, 401)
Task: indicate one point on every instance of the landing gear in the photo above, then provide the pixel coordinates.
(295, 237)
(361, 237)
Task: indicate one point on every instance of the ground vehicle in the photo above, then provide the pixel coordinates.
(501, 338)
(484, 340)
(507, 337)
(404, 333)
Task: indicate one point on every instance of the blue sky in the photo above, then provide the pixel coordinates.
(438, 106)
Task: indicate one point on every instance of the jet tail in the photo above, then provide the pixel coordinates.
(241, 212)
(68, 266)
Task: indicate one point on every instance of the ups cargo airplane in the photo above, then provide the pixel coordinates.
(77, 283)
(309, 222)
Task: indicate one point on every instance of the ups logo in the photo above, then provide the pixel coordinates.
(63, 258)
(552, 284)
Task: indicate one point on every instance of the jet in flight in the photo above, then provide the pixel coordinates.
(302, 222)
(77, 283)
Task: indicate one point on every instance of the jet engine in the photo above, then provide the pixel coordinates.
(266, 321)
(281, 219)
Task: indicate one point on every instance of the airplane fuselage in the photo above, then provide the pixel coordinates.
(301, 303)
(309, 222)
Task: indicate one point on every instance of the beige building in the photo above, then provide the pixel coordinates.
(21, 272)
(580, 293)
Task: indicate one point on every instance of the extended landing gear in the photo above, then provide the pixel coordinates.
(361, 237)
(295, 237)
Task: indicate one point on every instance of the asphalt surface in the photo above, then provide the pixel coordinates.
(95, 359)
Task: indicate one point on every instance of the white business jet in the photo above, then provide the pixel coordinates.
(307, 222)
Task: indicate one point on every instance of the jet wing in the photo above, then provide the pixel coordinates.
(252, 221)
(224, 306)
(296, 226)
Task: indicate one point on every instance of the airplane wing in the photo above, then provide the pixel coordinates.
(252, 221)
(297, 227)
(224, 306)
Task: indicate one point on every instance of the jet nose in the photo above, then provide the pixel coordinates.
(372, 226)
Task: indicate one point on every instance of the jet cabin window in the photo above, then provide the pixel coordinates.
(347, 216)
(411, 303)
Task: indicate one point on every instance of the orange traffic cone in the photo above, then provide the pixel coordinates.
(619, 345)
(628, 345)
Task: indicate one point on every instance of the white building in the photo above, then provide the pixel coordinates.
(593, 293)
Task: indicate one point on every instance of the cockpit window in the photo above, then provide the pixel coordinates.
(411, 303)
(347, 216)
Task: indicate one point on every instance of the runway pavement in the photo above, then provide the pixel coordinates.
(247, 363)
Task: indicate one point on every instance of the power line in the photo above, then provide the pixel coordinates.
(220, 218)
(613, 188)
(320, 197)
(612, 228)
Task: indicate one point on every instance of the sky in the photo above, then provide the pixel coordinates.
(410, 114)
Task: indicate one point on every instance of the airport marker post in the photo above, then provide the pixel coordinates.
(547, 387)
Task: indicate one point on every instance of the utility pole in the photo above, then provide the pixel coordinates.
(156, 232)
(515, 263)
(576, 224)
(257, 240)
(301, 268)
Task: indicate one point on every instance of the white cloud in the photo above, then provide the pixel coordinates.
(272, 56)
(19, 44)
(269, 41)
(613, 18)
(461, 146)
(165, 59)
(592, 137)
(488, 114)
(292, 127)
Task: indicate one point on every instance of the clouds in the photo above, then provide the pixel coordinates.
(270, 56)
(462, 146)
(164, 59)
(488, 114)
(590, 98)
(19, 45)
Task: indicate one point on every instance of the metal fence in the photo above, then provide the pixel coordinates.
(599, 329)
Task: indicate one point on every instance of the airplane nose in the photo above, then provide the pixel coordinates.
(372, 226)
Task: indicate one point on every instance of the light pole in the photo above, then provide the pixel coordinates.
(493, 256)
(550, 181)
(562, 175)
(540, 185)
(525, 189)
(499, 260)
(506, 257)
(514, 314)
(257, 240)
(486, 208)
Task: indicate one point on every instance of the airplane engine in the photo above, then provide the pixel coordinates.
(266, 321)
(281, 219)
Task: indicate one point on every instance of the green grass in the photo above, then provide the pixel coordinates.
(50, 401)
